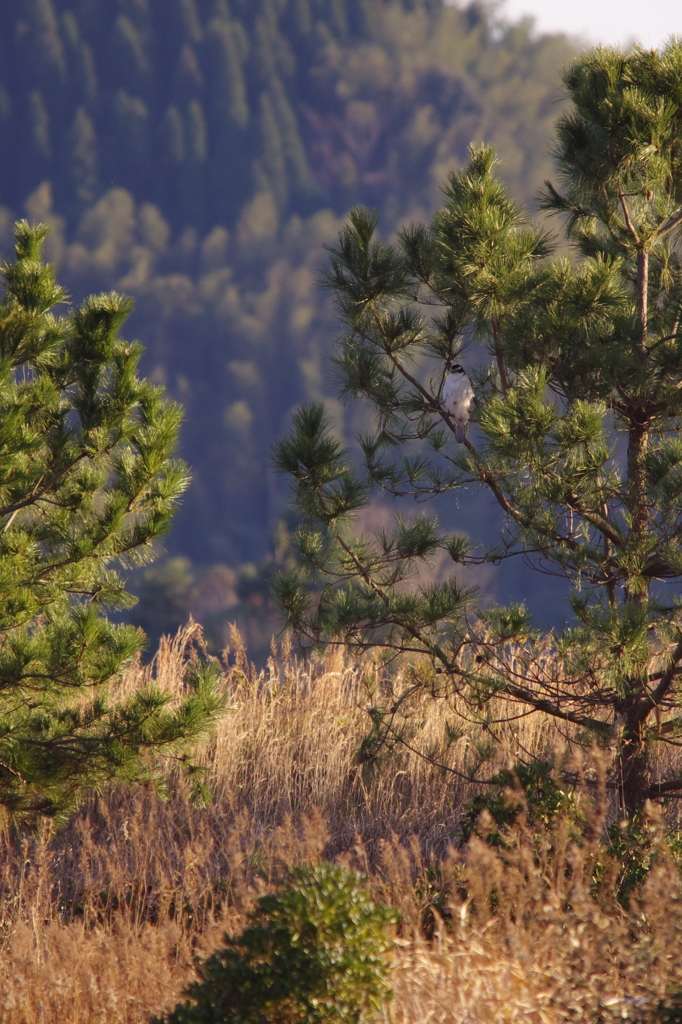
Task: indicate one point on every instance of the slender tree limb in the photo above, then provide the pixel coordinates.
(35, 497)
(662, 788)
(438, 764)
(495, 331)
(671, 726)
(487, 478)
(643, 297)
(429, 648)
(653, 700)
(628, 219)
(554, 711)
(599, 522)
(661, 341)
(669, 225)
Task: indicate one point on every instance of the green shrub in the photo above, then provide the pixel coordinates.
(524, 788)
(669, 1011)
(632, 843)
(636, 843)
(315, 951)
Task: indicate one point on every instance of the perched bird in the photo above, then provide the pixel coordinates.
(458, 396)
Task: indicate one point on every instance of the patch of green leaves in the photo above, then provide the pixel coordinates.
(314, 952)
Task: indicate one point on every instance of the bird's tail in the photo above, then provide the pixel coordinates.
(460, 431)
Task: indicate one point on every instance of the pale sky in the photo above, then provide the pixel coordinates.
(650, 22)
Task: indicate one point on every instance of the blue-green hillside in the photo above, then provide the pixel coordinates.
(198, 154)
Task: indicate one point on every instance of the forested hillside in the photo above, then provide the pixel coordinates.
(197, 154)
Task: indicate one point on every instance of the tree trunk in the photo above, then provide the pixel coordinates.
(638, 442)
(634, 769)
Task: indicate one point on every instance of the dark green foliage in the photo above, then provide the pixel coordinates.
(264, 120)
(670, 1011)
(578, 410)
(534, 797)
(87, 482)
(316, 951)
(531, 790)
(636, 844)
(135, 68)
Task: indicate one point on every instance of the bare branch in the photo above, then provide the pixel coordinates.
(504, 380)
(628, 220)
(599, 522)
(555, 711)
(653, 700)
(429, 647)
(662, 788)
(670, 224)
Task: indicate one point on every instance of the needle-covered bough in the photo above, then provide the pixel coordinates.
(87, 482)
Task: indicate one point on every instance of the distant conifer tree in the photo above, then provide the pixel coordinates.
(85, 157)
(228, 91)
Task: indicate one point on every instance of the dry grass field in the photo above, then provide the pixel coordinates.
(101, 921)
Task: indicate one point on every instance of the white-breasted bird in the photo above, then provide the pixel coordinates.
(458, 397)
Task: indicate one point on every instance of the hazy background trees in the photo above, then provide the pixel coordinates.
(197, 154)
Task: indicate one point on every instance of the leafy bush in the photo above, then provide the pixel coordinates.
(532, 789)
(670, 1010)
(636, 844)
(631, 844)
(315, 951)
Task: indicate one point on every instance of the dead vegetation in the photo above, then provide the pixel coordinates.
(101, 921)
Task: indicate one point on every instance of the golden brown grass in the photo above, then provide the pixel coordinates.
(101, 921)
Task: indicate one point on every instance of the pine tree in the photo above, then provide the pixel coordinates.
(277, 179)
(84, 164)
(128, 49)
(196, 133)
(87, 482)
(40, 124)
(174, 135)
(303, 17)
(191, 21)
(228, 87)
(193, 193)
(45, 31)
(294, 149)
(577, 429)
